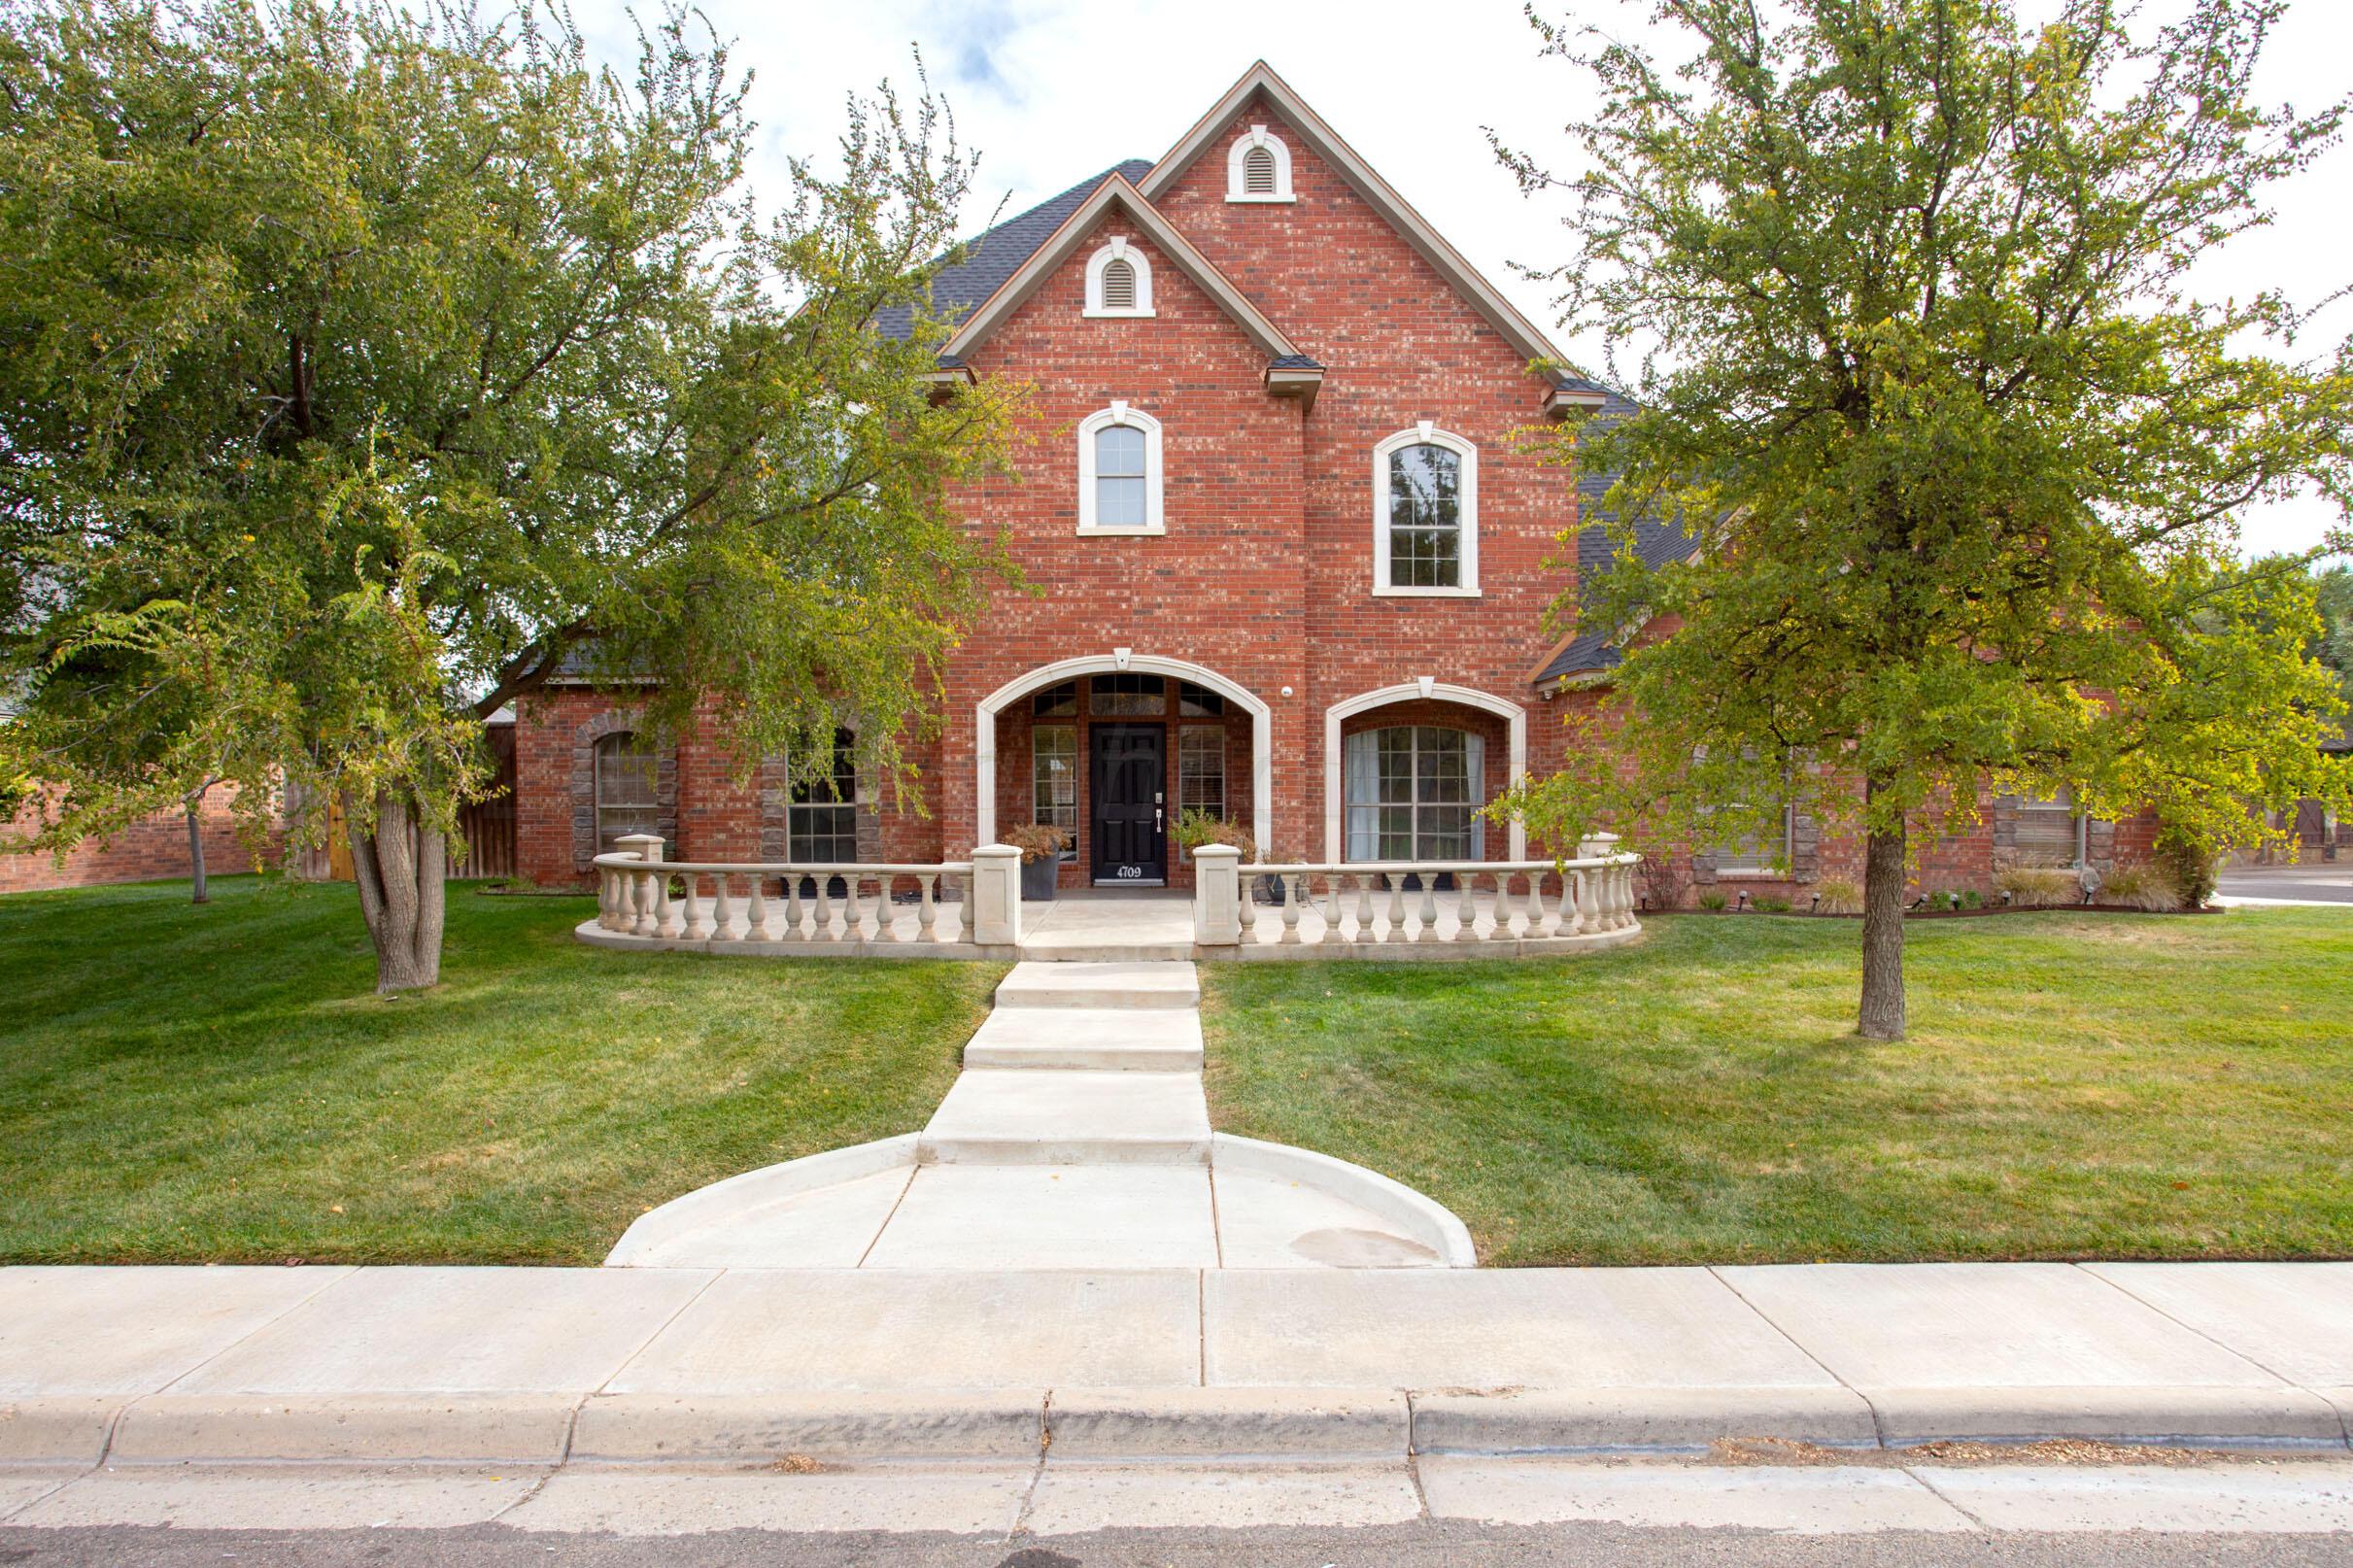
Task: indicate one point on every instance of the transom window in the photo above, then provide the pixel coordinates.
(1057, 702)
(1426, 505)
(1412, 793)
(629, 775)
(1200, 770)
(1127, 697)
(821, 824)
(1198, 701)
(1119, 472)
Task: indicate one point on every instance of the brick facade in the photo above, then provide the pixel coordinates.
(149, 850)
(1264, 576)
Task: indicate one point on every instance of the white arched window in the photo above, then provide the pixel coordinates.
(1426, 514)
(1258, 167)
(1119, 472)
(1118, 281)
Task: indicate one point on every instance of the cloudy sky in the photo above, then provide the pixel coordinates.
(1053, 91)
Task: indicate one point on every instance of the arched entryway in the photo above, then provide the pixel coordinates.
(1122, 662)
(1425, 690)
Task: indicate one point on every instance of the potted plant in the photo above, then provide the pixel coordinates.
(1196, 826)
(1042, 846)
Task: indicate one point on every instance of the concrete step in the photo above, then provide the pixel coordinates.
(1036, 984)
(1147, 1040)
(1059, 1116)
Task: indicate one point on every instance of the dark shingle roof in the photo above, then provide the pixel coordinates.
(998, 254)
(1656, 543)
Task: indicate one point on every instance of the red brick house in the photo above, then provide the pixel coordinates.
(1293, 561)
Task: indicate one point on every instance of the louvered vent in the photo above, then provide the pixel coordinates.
(1258, 171)
(1118, 285)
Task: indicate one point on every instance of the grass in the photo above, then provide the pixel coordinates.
(2112, 1085)
(221, 1085)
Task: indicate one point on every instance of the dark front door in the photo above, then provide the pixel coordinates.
(1131, 803)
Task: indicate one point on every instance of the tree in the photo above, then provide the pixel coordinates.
(1905, 286)
(2335, 648)
(358, 371)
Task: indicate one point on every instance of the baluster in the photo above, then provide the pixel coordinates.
(722, 912)
(1466, 911)
(641, 903)
(604, 897)
(927, 917)
(1428, 913)
(670, 920)
(756, 916)
(1290, 908)
(890, 915)
(1396, 910)
(1331, 906)
(824, 931)
(1625, 894)
(1535, 903)
(964, 908)
(1364, 909)
(789, 888)
(854, 927)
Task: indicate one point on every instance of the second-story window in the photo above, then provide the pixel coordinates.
(1425, 513)
(1119, 472)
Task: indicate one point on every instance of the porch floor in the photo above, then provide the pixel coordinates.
(1109, 922)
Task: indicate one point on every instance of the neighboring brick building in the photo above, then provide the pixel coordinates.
(1290, 556)
(150, 850)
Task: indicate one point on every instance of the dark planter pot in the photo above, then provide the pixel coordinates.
(1038, 876)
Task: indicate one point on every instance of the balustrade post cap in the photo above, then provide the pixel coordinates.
(643, 845)
(1217, 852)
(995, 852)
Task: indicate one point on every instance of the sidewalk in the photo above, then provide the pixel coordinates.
(550, 1365)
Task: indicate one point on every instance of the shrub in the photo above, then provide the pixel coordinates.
(2141, 887)
(1838, 895)
(1196, 826)
(1713, 902)
(2039, 887)
(1971, 898)
(1769, 904)
(2189, 870)
(1036, 840)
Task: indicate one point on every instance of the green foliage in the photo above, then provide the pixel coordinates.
(2141, 887)
(1770, 903)
(1971, 898)
(1838, 895)
(1713, 902)
(2035, 887)
(2333, 587)
(1903, 290)
(1197, 826)
(358, 370)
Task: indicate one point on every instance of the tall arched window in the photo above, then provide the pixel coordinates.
(1118, 280)
(628, 788)
(1119, 472)
(1414, 792)
(821, 825)
(1426, 514)
(1258, 167)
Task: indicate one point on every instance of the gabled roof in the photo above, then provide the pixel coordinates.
(1116, 193)
(989, 260)
(1655, 544)
(1432, 246)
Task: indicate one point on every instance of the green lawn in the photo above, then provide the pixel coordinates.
(2133, 1086)
(221, 1085)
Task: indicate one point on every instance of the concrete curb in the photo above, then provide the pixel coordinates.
(948, 1424)
(1095, 1424)
(1426, 1219)
(2278, 1414)
(737, 1196)
(1250, 952)
(396, 1427)
(1127, 1424)
(596, 935)
(1558, 1420)
(57, 1428)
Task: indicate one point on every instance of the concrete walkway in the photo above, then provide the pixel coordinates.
(1077, 1137)
(541, 1366)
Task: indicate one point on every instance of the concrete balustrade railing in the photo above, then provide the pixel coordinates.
(1375, 903)
(640, 893)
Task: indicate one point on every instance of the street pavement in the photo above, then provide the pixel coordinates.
(2314, 881)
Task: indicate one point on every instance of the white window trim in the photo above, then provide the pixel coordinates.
(1119, 413)
(1236, 179)
(1427, 432)
(1119, 249)
(1422, 688)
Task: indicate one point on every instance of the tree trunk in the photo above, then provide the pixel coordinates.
(195, 847)
(399, 867)
(1881, 1016)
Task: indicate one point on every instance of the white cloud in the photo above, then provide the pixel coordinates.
(1053, 92)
